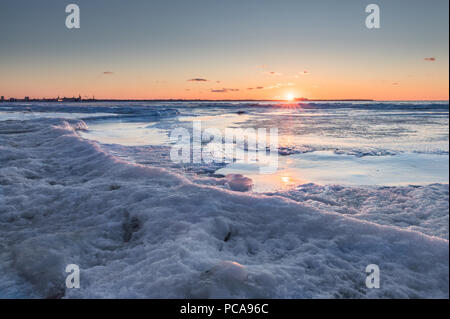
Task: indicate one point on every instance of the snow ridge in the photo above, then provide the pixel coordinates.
(143, 232)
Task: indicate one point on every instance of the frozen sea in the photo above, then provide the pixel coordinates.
(93, 184)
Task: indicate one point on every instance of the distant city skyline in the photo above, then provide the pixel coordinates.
(232, 50)
(79, 98)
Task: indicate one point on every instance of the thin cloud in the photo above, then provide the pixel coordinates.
(303, 73)
(108, 73)
(279, 85)
(274, 73)
(223, 90)
(431, 59)
(197, 80)
(256, 88)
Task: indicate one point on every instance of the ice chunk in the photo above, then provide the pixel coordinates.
(238, 182)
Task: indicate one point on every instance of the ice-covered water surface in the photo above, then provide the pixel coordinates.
(141, 226)
(326, 167)
(357, 143)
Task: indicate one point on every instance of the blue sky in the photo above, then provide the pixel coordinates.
(152, 47)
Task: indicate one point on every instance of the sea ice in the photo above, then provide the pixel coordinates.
(138, 231)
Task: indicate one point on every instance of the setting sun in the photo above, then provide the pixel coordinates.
(290, 97)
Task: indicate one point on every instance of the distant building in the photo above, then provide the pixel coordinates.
(49, 100)
(71, 99)
(2, 99)
(12, 100)
(27, 98)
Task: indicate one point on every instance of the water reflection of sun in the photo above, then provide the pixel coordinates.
(285, 179)
(288, 181)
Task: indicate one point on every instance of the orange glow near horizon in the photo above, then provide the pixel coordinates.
(415, 93)
(290, 97)
(430, 82)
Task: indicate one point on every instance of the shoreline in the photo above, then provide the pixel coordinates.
(219, 100)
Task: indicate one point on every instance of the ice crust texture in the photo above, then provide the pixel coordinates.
(145, 232)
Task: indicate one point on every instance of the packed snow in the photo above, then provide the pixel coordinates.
(80, 185)
(143, 232)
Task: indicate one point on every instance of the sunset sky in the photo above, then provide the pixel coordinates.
(216, 49)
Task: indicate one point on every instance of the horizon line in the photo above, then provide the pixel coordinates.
(8, 100)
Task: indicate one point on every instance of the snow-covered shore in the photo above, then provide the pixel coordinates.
(144, 232)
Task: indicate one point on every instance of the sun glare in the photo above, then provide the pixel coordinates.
(290, 97)
(285, 179)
